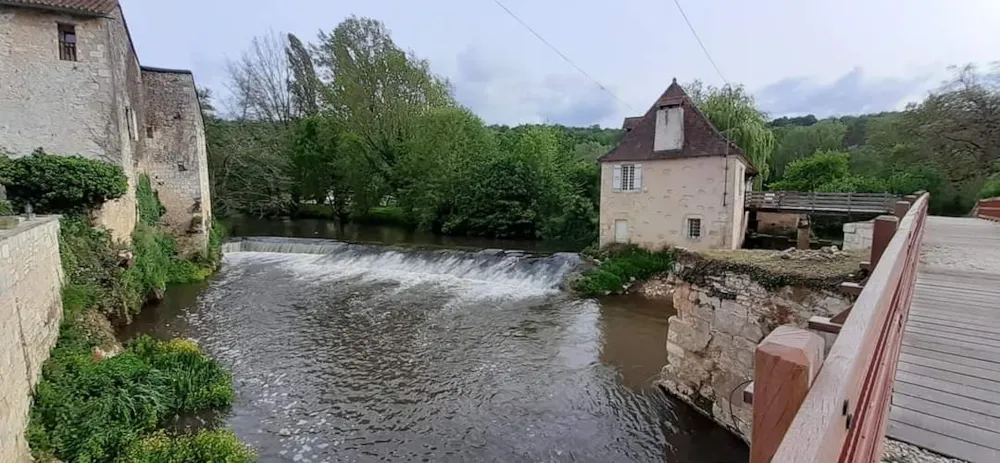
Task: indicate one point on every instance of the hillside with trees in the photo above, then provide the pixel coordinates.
(353, 127)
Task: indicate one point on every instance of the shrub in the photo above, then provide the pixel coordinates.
(87, 411)
(623, 265)
(62, 184)
(6, 208)
(217, 446)
(148, 202)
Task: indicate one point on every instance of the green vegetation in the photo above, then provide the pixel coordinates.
(92, 405)
(621, 266)
(93, 411)
(61, 184)
(205, 446)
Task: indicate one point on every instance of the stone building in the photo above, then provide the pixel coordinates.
(672, 181)
(71, 83)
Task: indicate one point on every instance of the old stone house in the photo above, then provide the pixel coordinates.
(71, 83)
(672, 181)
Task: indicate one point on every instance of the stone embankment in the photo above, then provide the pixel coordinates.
(726, 302)
(30, 312)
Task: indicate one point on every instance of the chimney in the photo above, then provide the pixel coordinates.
(669, 128)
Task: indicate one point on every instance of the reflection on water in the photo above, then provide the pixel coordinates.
(337, 363)
(381, 234)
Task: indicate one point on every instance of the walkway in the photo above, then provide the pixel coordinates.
(946, 396)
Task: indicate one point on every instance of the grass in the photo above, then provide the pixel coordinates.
(88, 408)
(621, 266)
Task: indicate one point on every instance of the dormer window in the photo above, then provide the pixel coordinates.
(67, 42)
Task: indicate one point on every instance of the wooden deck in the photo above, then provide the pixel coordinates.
(946, 396)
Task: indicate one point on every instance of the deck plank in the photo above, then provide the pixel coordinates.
(946, 397)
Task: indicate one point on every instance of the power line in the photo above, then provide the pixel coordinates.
(563, 56)
(700, 43)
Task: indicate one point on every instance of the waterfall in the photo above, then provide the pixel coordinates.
(508, 268)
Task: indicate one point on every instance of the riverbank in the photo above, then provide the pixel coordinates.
(101, 401)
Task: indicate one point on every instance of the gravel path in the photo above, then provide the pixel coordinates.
(901, 452)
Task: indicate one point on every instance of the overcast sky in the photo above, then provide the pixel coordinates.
(823, 57)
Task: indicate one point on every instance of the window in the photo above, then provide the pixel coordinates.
(694, 228)
(149, 132)
(627, 177)
(67, 42)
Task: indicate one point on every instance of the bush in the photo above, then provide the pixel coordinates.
(87, 411)
(623, 265)
(217, 446)
(6, 208)
(148, 202)
(62, 184)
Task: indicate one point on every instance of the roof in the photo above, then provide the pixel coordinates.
(701, 138)
(630, 122)
(85, 7)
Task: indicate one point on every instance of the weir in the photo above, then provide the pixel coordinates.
(508, 268)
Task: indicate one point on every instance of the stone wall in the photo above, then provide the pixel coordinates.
(81, 107)
(712, 339)
(673, 191)
(858, 235)
(176, 158)
(30, 312)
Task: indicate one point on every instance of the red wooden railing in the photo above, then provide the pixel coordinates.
(807, 409)
(988, 209)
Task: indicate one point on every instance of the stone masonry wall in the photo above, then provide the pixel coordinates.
(712, 339)
(858, 235)
(176, 158)
(30, 312)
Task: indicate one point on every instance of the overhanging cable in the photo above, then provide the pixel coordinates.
(561, 54)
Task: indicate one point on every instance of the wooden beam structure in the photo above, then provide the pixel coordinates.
(817, 203)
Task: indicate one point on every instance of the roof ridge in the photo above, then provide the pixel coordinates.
(85, 7)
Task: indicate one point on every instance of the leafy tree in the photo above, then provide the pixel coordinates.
(809, 174)
(733, 111)
(796, 142)
(305, 84)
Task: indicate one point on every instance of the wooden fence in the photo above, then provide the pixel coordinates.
(821, 203)
(988, 209)
(807, 409)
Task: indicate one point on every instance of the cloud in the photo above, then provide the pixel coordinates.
(501, 93)
(852, 93)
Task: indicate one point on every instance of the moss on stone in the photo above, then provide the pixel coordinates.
(773, 269)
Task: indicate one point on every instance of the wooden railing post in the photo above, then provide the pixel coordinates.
(901, 208)
(882, 233)
(785, 364)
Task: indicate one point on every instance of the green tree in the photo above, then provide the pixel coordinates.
(733, 111)
(304, 84)
(796, 142)
(809, 174)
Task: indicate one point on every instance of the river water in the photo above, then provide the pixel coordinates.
(362, 353)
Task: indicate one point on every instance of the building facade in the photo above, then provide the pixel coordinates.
(71, 84)
(672, 181)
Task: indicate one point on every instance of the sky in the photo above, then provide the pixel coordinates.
(822, 57)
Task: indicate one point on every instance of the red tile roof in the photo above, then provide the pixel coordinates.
(88, 7)
(701, 138)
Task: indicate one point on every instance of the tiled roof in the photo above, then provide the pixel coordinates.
(88, 7)
(701, 138)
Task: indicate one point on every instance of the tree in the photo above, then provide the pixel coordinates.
(375, 89)
(809, 174)
(796, 142)
(304, 84)
(259, 81)
(733, 111)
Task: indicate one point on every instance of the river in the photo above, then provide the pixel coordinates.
(366, 353)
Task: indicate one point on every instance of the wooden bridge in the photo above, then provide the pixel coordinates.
(821, 203)
(917, 357)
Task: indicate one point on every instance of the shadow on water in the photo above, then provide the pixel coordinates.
(382, 234)
(410, 360)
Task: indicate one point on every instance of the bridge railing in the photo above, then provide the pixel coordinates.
(796, 201)
(810, 409)
(988, 209)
